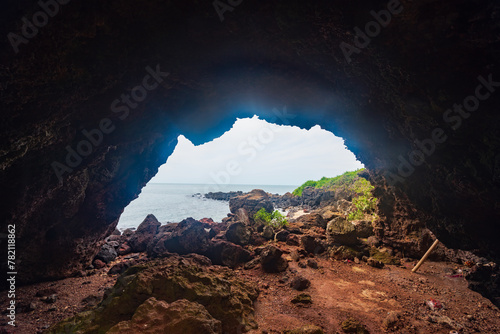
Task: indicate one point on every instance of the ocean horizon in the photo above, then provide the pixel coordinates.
(173, 202)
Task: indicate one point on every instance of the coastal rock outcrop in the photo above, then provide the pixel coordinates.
(144, 234)
(251, 203)
(238, 233)
(188, 236)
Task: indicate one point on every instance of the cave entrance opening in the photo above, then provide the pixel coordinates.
(252, 154)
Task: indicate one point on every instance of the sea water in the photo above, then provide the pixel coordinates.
(174, 202)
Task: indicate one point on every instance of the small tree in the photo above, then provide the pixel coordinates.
(274, 219)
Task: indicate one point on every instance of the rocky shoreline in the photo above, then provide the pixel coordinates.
(238, 276)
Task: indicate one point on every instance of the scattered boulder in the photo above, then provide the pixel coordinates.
(295, 255)
(311, 220)
(227, 254)
(312, 263)
(300, 283)
(384, 256)
(251, 203)
(345, 253)
(341, 231)
(238, 233)
(282, 235)
(375, 263)
(145, 233)
(98, 264)
(302, 298)
(312, 244)
(353, 326)
(272, 260)
(188, 236)
(391, 320)
(179, 317)
(268, 232)
(107, 253)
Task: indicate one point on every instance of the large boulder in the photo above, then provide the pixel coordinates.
(312, 243)
(146, 231)
(224, 295)
(311, 220)
(238, 233)
(341, 231)
(251, 203)
(180, 317)
(317, 197)
(272, 260)
(227, 254)
(188, 236)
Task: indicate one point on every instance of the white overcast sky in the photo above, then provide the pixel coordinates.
(256, 152)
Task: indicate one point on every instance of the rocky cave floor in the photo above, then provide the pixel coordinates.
(390, 299)
(319, 274)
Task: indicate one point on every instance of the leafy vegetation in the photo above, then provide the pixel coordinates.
(349, 184)
(274, 219)
(332, 183)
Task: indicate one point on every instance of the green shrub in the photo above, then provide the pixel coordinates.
(349, 184)
(344, 181)
(274, 219)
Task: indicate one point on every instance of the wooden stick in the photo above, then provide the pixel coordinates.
(426, 255)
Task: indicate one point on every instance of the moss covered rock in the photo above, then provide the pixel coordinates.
(353, 326)
(225, 297)
(180, 317)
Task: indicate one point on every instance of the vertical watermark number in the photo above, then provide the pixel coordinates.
(11, 274)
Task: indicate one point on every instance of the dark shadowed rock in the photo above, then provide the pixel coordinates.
(107, 253)
(189, 236)
(272, 260)
(251, 203)
(238, 233)
(311, 220)
(282, 235)
(139, 241)
(227, 254)
(312, 263)
(293, 240)
(312, 244)
(300, 283)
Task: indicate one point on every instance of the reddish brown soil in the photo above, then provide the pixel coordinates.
(71, 293)
(339, 291)
(342, 290)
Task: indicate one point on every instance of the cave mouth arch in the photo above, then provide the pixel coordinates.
(251, 154)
